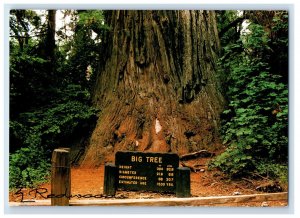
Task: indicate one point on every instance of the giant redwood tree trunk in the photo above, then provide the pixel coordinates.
(158, 89)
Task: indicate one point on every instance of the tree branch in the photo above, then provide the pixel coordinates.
(28, 36)
(232, 24)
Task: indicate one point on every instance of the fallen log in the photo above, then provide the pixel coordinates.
(192, 168)
(201, 153)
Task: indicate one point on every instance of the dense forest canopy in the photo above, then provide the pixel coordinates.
(180, 81)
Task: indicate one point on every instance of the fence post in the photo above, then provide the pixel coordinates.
(183, 182)
(110, 179)
(60, 177)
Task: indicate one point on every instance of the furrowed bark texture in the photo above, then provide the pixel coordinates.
(158, 89)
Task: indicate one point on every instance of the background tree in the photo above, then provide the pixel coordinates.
(82, 49)
(157, 86)
(48, 105)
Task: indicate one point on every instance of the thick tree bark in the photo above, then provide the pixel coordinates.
(158, 89)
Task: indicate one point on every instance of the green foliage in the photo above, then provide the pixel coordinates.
(224, 19)
(50, 125)
(27, 77)
(28, 167)
(49, 97)
(40, 131)
(234, 161)
(273, 170)
(82, 51)
(255, 124)
(93, 19)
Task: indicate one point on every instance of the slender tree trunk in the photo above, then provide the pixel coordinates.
(158, 89)
(20, 15)
(50, 40)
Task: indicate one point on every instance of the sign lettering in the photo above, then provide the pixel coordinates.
(147, 171)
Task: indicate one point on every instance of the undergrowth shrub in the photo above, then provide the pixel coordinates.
(42, 130)
(255, 123)
(28, 167)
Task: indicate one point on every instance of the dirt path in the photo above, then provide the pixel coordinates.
(206, 183)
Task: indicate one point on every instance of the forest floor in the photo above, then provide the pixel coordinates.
(203, 183)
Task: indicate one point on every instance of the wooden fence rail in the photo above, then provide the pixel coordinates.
(193, 201)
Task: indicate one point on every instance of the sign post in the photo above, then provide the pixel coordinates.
(183, 186)
(60, 177)
(110, 179)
